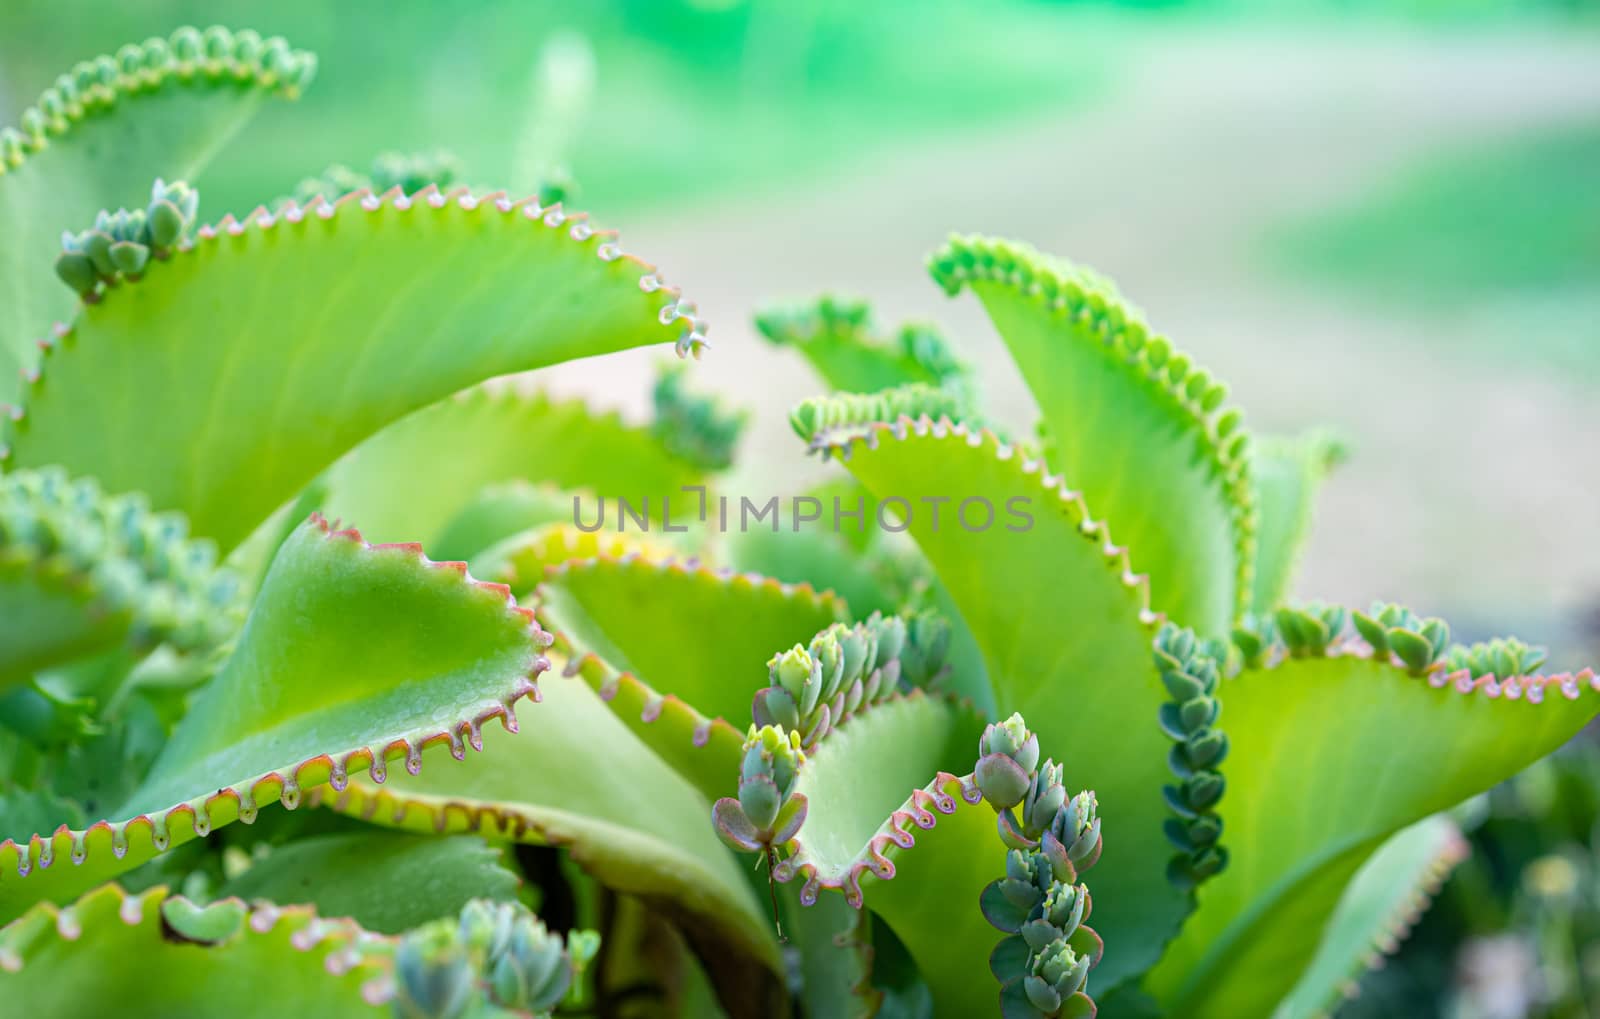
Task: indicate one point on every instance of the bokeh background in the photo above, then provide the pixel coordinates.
(1379, 217)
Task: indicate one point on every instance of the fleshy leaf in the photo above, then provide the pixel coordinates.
(695, 427)
(1358, 722)
(836, 957)
(500, 511)
(268, 367)
(1287, 474)
(575, 778)
(1074, 656)
(352, 655)
(412, 478)
(919, 862)
(81, 573)
(835, 335)
(842, 551)
(384, 881)
(113, 950)
(677, 649)
(1377, 909)
(159, 115)
(1135, 425)
(522, 560)
(848, 551)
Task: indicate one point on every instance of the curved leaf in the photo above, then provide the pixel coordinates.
(1135, 425)
(695, 427)
(1355, 724)
(1287, 474)
(273, 352)
(503, 511)
(522, 561)
(677, 649)
(873, 569)
(836, 953)
(835, 335)
(486, 436)
(841, 552)
(112, 950)
(1066, 632)
(162, 117)
(575, 778)
(919, 862)
(352, 655)
(1377, 909)
(384, 881)
(81, 573)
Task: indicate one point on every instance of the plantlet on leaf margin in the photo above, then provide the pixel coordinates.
(1043, 962)
(845, 669)
(122, 243)
(494, 952)
(1189, 670)
(768, 812)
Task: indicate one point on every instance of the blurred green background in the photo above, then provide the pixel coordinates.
(1382, 217)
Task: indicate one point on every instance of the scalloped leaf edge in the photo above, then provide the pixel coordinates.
(64, 504)
(1093, 302)
(1404, 918)
(575, 225)
(353, 950)
(1347, 643)
(241, 800)
(224, 58)
(830, 442)
(610, 682)
(944, 795)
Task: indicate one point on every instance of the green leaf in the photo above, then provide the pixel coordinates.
(873, 569)
(384, 881)
(501, 511)
(678, 650)
(138, 121)
(352, 655)
(836, 954)
(1359, 727)
(1287, 474)
(835, 335)
(273, 351)
(575, 778)
(522, 560)
(695, 427)
(25, 811)
(1378, 907)
(81, 573)
(1066, 633)
(1135, 426)
(918, 861)
(124, 953)
(409, 481)
(842, 551)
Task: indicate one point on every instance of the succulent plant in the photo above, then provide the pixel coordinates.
(190, 639)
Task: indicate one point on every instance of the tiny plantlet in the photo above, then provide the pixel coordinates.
(1096, 765)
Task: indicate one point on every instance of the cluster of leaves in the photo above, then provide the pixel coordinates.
(122, 243)
(495, 954)
(1043, 963)
(150, 434)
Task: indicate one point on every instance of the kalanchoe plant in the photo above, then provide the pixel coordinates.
(190, 636)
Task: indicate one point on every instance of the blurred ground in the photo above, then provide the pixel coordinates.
(1475, 489)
